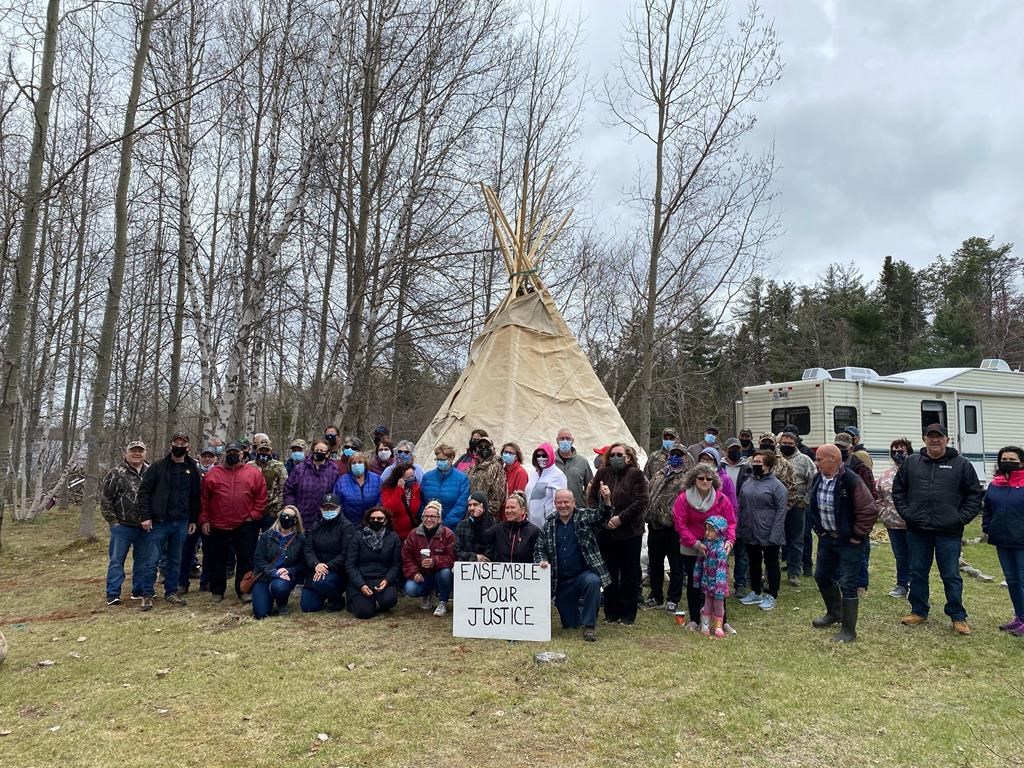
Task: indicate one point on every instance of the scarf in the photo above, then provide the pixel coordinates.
(374, 539)
(699, 503)
(1015, 480)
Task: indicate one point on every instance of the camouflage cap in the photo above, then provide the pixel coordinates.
(298, 443)
(136, 444)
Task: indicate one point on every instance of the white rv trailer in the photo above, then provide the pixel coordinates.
(983, 408)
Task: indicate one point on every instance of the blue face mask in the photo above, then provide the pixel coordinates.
(358, 469)
(565, 445)
(404, 456)
(220, 449)
(675, 460)
(298, 455)
(710, 439)
(667, 444)
(347, 452)
(329, 514)
(507, 457)
(443, 465)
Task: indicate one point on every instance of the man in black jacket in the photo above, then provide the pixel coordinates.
(169, 508)
(937, 493)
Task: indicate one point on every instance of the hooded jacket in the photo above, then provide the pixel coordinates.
(328, 543)
(451, 488)
(542, 485)
(489, 477)
(937, 495)
(689, 522)
(762, 517)
(471, 536)
(1003, 515)
(728, 486)
(510, 542)
(516, 477)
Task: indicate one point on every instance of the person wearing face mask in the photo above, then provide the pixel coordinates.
(657, 460)
(746, 438)
(401, 496)
(207, 458)
(468, 460)
(428, 556)
(279, 564)
(349, 446)
(800, 446)
(275, 476)
(899, 449)
(708, 440)
(296, 454)
(858, 448)
(168, 508)
(358, 489)
(577, 470)
(662, 537)
(545, 478)
(845, 442)
(471, 532)
(761, 527)
(516, 476)
(383, 456)
(380, 432)
(1002, 521)
(405, 453)
(711, 458)
(488, 475)
(622, 538)
(374, 566)
(312, 479)
(447, 485)
(937, 493)
(325, 552)
(233, 497)
(332, 438)
(119, 506)
(737, 467)
(796, 516)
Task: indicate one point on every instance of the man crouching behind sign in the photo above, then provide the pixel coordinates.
(568, 543)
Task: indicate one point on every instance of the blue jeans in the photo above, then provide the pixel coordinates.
(329, 589)
(900, 551)
(1012, 562)
(794, 548)
(168, 536)
(123, 538)
(188, 557)
(839, 562)
(862, 577)
(945, 550)
(741, 569)
(441, 582)
(808, 541)
(267, 592)
(569, 594)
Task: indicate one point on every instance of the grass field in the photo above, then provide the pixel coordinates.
(246, 693)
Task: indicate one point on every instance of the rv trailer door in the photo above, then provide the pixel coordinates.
(971, 437)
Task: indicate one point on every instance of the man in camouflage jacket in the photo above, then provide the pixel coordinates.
(276, 476)
(119, 507)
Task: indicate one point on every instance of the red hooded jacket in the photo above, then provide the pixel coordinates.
(231, 496)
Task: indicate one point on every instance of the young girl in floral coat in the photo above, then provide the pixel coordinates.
(712, 572)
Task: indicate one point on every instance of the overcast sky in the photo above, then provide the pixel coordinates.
(898, 127)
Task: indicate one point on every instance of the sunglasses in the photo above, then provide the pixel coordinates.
(617, 455)
(704, 479)
(348, 447)
(378, 519)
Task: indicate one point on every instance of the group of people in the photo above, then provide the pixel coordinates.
(358, 529)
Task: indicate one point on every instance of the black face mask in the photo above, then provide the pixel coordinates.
(746, 443)
(758, 470)
(319, 455)
(734, 453)
(473, 443)
(262, 458)
(287, 522)
(767, 446)
(484, 452)
(376, 525)
(178, 450)
(787, 450)
(845, 453)
(331, 438)
(1006, 467)
(231, 459)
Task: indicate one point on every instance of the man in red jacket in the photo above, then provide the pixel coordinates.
(232, 499)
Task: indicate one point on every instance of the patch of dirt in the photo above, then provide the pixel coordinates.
(45, 617)
(659, 643)
(225, 623)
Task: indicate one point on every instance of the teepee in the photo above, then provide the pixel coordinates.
(526, 376)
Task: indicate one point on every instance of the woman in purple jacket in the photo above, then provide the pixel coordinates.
(310, 481)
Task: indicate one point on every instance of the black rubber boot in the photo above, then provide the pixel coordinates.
(833, 608)
(849, 631)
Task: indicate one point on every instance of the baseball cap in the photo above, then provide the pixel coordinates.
(330, 500)
(936, 427)
(602, 450)
(208, 449)
(298, 443)
(677, 447)
(136, 444)
(180, 435)
(844, 440)
(235, 446)
(853, 431)
(745, 431)
(670, 431)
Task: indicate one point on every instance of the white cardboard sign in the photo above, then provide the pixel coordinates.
(502, 601)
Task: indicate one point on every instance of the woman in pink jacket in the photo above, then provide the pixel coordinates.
(700, 499)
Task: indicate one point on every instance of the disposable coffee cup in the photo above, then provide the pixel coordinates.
(424, 553)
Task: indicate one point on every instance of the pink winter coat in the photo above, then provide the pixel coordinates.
(690, 522)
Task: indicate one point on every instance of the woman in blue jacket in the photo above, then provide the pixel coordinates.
(357, 489)
(1003, 520)
(279, 563)
(447, 485)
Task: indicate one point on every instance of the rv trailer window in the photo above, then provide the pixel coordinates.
(932, 412)
(844, 416)
(799, 417)
(971, 419)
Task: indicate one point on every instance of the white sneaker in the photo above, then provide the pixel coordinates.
(442, 609)
(767, 603)
(751, 598)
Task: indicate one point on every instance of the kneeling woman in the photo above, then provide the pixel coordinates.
(374, 565)
(326, 548)
(279, 563)
(427, 559)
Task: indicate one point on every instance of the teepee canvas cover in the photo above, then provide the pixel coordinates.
(526, 376)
